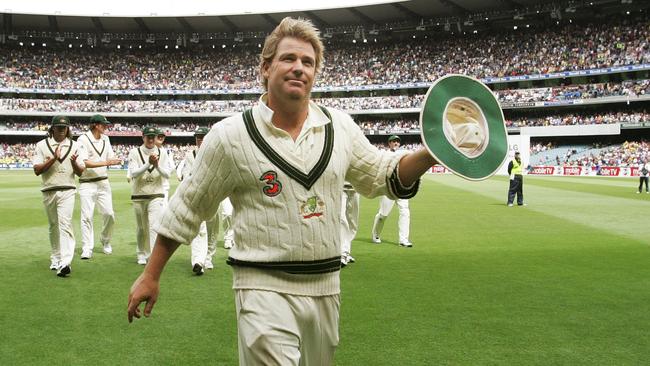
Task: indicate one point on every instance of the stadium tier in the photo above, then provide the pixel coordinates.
(635, 90)
(563, 74)
(571, 47)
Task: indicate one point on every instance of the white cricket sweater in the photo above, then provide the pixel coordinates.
(95, 150)
(286, 196)
(147, 180)
(60, 175)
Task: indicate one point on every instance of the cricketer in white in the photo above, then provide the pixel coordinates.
(147, 167)
(57, 161)
(204, 245)
(94, 187)
(283, 165)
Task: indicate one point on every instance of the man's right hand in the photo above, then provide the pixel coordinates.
(153, 160)
(144, 289)
(114, 161)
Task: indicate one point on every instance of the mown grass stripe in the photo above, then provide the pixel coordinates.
(596, 206)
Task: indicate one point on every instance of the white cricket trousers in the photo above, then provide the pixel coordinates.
(403, 223)
(225, 209)
(286, 330)
(204, 246)
(91, 194)
(349, 219)
(59, 206)
(147, 216)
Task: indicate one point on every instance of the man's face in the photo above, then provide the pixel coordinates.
(291, 73)
(199, 140)
(393, 145)
(518, 157)
(149, 141)
(160, 140)
(59, 133)
(101, 127)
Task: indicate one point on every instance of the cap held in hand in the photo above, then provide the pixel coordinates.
(462, 126)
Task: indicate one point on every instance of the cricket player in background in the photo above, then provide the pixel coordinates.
(57, 161)
(170, 164)
(386, 206)
(148, 166)
(349, 222)
(204, 245)
(94, 188)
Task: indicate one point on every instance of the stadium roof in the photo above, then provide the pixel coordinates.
(200, 16)
(171, 8)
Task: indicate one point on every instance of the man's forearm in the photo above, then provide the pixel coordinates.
(43, 167)
(412, 166)
(165, 172)
(161, 253)
(136, 172)
(78, 170)
(95, 164)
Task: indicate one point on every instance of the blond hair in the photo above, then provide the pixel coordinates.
(300, 28)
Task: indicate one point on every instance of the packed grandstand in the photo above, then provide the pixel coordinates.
(552, 75)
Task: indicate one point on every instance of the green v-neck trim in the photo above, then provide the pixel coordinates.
(305, 180)
(94, 148)
(47, 142)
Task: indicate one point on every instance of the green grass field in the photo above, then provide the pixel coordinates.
(563, 281)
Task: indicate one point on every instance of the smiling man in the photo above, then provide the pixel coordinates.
(283, 164)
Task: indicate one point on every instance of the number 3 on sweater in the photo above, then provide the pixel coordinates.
(272, 187)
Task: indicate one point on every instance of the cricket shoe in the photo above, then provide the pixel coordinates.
(86, 254)
(228, 244)
(208, 264)
(63, 271)
(376, 239)
(198, 269)
(107, 249)
(142, 261)
(406, 244)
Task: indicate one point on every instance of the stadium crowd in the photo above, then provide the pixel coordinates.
(626, 154)
(369, 126)
(571, 47)
(567, 119)
(586, 91)
(540, 147)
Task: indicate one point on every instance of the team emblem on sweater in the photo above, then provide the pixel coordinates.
(272, 187)
(313, 207)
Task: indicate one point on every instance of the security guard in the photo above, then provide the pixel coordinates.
(515, 169)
